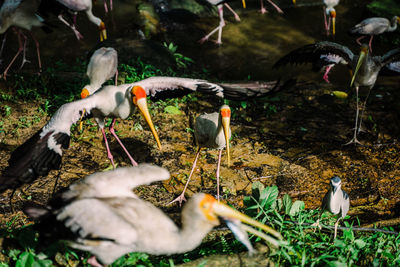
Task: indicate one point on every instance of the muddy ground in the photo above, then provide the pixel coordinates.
(293, 139)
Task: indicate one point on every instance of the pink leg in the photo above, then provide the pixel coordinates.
(327, 70)
(38, 52)
(134, 163)
(105, 6)
(15, 57)
(276, 7)
(218, 167)
(237, 18)
(370, 43)
(359, 39)
(116, 77)
(2, 45)
(219, 28)
(182, 195)
(109, 155)
(325, 21)
(329, 25)
(93, 262)
(111, 5)
(263, 10)
(76, 32)
(24, 60)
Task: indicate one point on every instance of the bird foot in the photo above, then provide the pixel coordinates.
(202, 40)
(263, 11)
(180, 199)
(93, 262)
(354, 140)
(23, 62)
(316, 225)
(237, 18)
(325, 77)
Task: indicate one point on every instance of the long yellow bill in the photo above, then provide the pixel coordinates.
(333, 26)
(244, 3)
(142, 105)
(226, 118)
(294, 2)
(227, 213)
(363, 54)
(103, 32)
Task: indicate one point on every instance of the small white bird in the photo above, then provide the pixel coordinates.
(101, 215)
(211, 131)
(374, 26)
(335, 201)
(331, 12)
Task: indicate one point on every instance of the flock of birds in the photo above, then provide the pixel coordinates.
(100, 214)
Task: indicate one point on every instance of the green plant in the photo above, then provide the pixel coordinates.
(181, 60)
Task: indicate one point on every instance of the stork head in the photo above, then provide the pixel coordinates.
(207, 209)
(361, 59)
(336, 183)
(332, 13)
(226, 118)
(103, 31)
(140, 100)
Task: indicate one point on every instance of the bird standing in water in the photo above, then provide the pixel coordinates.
(330, 11)
(220, 5)
(374, 26)
(101, 215)
(365, 67)
(335, 201)
(211, 131)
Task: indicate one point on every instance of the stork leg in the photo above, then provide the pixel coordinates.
(336, 227)
(325, 22)
(219, 28)
(37, 52)
(105, 6)
(111, 5)
(354, 140)
(275, 6)
(112, 131)
(182, 195)
(2, 46)
(362, 112)
(218, 168)
(359, 39)
(24, 60)
(116, 77)
(263, 10)
(15, 57)
(237, 18)
(76, 32)
(92, 260)
(109, 155)
(316, 225)
(327, 70)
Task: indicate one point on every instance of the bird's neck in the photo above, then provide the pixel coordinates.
(93, 18)
(191, 235)
(393, 25)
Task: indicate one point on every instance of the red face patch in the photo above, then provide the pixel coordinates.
(139, 92)
(226, 113)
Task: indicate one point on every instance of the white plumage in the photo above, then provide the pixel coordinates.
(109, 225)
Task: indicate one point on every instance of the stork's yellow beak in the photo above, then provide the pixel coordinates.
(398, 20)
(244, 3)
(103, 32)
(364, 52)
(139, 98)
(214, 209)
(294, 2)
(226, 118)
(333, 16)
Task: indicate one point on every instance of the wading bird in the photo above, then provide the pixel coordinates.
(331, 12)
(335, 201)
(211, 131)
(43, 151)
(21, 14)
(365, 67)
(220, 5)
(101, 215)
(374, 26)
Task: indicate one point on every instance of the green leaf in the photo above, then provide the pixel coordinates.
(172, 110)
(296, 207)
(337, 264)
(287, 203)
(269, 196)
(360, 243)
